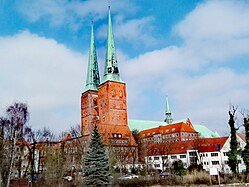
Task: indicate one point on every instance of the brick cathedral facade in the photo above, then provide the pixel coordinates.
(104, 103)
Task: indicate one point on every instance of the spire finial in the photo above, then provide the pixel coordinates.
(92, 81)
(168, 115)
(109, 5)
(92, 20)
(111, 71)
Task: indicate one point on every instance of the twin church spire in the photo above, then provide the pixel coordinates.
(92, 80)
(111, 71)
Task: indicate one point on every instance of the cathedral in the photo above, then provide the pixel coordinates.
(103, 102)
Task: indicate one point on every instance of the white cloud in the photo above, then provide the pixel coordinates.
(197, 76)
(214, 26)
(45, 74)
(73, 14)
(136, 31)
(70, 13)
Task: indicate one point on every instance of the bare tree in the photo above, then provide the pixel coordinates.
(164, 149)
(14, 130)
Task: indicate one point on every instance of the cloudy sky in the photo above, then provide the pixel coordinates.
(195, 52)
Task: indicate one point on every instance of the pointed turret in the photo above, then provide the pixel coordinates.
(92, 81)
(111, 72)
(168, 115)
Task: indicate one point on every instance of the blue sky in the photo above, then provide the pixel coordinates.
(196, 52)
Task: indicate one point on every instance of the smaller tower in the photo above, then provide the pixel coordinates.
(168, 115)
(90, 95)
(92, 80)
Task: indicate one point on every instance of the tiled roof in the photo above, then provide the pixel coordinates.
(167, 129)
(169, 148)
(141, 125)
(202, 145)
(211, 144)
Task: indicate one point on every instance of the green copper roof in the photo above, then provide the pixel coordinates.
(143, 124)
(92, 81)
(111, 71)
(140, 125)
(204, 132)
(168, 114)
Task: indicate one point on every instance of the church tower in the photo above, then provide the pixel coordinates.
(89, 114)
(112, 93)
(104, 104)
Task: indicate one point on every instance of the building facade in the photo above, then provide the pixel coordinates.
(207, 152)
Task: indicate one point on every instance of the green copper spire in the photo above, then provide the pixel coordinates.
(111, 72)
(168, 114)
(92, 81)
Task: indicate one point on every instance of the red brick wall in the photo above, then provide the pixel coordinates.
(88, 111)
(112, 104)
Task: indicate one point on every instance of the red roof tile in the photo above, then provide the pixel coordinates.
(202, 145)
(167, 129)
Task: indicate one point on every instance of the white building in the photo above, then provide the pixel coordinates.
(210, 152)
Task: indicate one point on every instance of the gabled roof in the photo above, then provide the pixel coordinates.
(150, 132)
(204, 132)
(167, 129)
(144, 124)
(140, 125)
(201, 145)
(171, 148)
(211, 144)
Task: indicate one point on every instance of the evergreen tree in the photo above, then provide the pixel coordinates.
(96, 167)
(245, 152)
(233, 153)
(178, 168)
